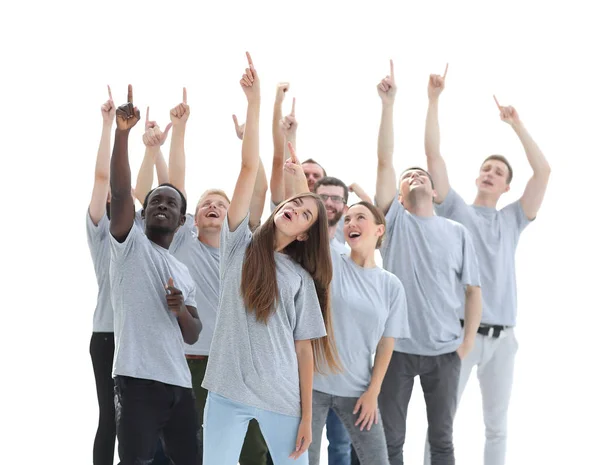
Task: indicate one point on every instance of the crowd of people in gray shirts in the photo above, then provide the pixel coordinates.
(219, 339)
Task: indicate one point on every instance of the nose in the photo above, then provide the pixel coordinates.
(162, 206)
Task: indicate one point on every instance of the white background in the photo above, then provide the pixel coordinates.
(59, 56)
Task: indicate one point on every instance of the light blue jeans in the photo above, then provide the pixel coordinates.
(225, 426)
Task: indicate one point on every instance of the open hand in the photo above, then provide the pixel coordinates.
(367, 405)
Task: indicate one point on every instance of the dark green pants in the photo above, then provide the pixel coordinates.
(254, 451)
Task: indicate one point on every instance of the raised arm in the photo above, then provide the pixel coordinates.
(289, 126)
(179, 117)
(360, 192)
(435, 163)
(242, 194)
(97, 206)
(385, 192)
(257, 203)
(121, 203)
(153, 138)
(276, 184)
(532, 197)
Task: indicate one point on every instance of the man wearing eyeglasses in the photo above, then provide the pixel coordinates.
(334, 194)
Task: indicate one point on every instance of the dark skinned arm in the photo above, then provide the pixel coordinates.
(190, 324)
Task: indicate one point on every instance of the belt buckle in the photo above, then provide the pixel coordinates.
(491, 331)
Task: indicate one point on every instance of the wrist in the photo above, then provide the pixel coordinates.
(373, 389)
(306, 417)
(107, 125)
(254, 101)
(433, 100)
(387, 105)
(122, 132)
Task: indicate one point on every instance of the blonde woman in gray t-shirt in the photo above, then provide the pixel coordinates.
(273, 314)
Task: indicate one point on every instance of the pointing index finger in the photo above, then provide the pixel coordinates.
(445, 72)
(109, 93)
(293, 113)
(147, 114)
(185, 95)
(129, 94)
(498, 104)
(392, 68)
(249, 59)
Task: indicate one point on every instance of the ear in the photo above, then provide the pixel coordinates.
(345, 210)
(380, 230)
(302, 237)
(507, 188)
(434, 193)
(143, 214)
(182, 220)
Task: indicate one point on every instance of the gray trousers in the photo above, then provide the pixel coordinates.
(369, 445)
(495, 361)
(439, 377)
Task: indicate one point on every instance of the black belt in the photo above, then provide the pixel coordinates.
(488, 330)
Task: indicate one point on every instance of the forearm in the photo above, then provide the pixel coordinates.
(145, 176)
(250, 144)
(162, 170)
(537, 161)
(190, 326)
(473, 309)
(120, 172)
(276, 184)
(435, 163)
(257, 204)
(306, 372)
(102, 170)
(177, 158)
(362, 195)
(385, 141)
(383, 355)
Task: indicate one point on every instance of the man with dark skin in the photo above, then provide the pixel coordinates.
(154, 304)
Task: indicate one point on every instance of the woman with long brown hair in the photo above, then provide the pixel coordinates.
(273, 313)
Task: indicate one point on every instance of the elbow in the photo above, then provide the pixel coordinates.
(193, 336)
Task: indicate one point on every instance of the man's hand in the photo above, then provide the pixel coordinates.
(154, 137)
(181, 113)
(282, 88)
(127, 114)
(239, 129)
(387, 87)
(175, 298)
(288, 124)
(367, 404)
(303, 439)
(508, 114)
(109, 109)
(436, 84)
(250, 82)
(464, 349)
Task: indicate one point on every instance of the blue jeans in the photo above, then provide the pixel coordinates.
(338, 451)
(225, 426)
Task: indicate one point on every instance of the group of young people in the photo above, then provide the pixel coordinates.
(219, 339)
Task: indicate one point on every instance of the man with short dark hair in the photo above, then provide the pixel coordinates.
(153, 297)
(495, 235)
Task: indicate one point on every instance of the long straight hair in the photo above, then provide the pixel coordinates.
(259, 278)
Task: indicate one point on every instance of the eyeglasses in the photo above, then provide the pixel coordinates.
(334, 198)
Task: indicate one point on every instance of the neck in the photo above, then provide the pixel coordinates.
(419, 206)
(210, 237)
(160, 238)
(332, 230)
(363, 258)
(281, 241)
(485, 200)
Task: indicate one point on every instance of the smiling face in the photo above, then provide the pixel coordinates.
(493, 178)
(333, 199)
(363, 229)
(295, 217)
(415, 181)
(163, 210)
(211, 211)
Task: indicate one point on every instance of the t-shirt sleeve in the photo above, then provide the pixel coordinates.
(190, 298)
(119, 251)
(515, 217)
(309, 320)
(393, 218)
(96, 233)
(469, 273)
(396, 325)
(452, 207)
(183, 233)
(139, 220)
(233, 241)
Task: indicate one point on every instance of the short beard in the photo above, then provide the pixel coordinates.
(336, 219)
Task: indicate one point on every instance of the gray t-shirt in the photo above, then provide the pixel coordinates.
(435, 259)
(98, 242)
(367, 304)
(202, 262)
(252, 362)
(148, 339)
(339, 247)
(495, 235)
